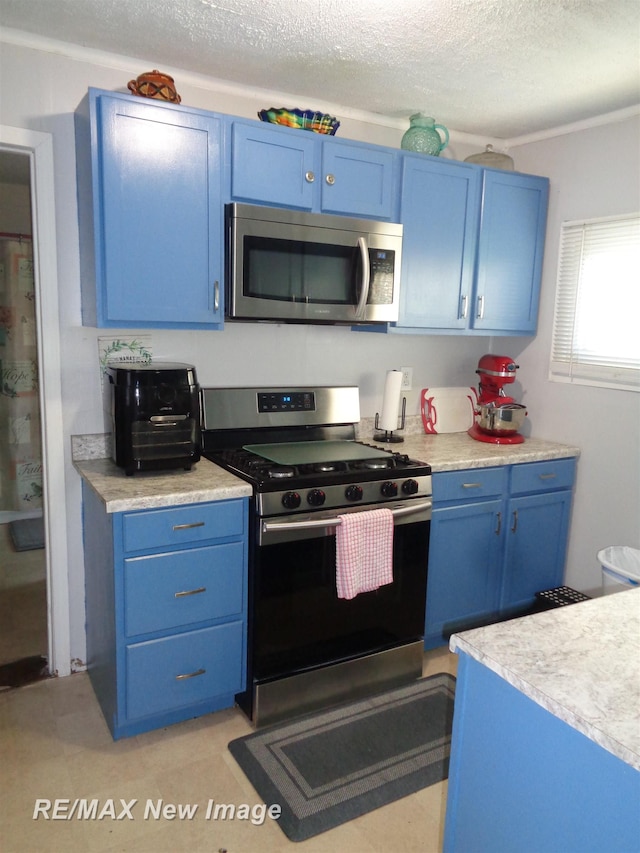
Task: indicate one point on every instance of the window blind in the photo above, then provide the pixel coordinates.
(596, 327)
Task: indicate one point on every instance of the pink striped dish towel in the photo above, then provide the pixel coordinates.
(364, 551)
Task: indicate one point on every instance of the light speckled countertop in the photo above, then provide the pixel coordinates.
(456, 450)
(208, 482)
(580, 662)
(205, 482)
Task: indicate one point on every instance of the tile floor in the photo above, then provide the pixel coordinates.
(23, 601)
(55, 744)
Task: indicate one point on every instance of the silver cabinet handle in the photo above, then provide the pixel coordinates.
(514, 526)
(499, 525)
(190, 674)
(309, 177)
(188, 526)
(547, 476)
(480, 313)
(216, 295)
(330, 179)
(190, 592)
(463, 306)
(472, 485)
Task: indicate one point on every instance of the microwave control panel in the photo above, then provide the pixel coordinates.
(382, 265)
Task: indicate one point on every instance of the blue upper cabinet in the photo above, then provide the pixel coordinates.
(153, 179)
(269, 166)
(358, 180)
(510, 248)
(473, 246)
(440, 201)
(150, 206)
(299, 169)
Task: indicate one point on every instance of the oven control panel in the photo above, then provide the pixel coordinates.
(286, 401)
(335, 497)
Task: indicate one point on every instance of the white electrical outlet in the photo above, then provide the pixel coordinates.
(407, 378)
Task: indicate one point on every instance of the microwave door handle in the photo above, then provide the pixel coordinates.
(366, 277)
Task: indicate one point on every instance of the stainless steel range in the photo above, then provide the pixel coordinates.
(307, 647)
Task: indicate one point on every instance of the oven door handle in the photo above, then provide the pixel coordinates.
(314, 523)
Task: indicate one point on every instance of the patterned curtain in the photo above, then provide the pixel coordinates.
(20, 445)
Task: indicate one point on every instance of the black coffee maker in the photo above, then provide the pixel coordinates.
(155, 415)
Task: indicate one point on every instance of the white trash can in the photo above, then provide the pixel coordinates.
(620, 568)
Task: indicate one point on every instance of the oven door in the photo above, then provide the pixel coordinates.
(299, 622)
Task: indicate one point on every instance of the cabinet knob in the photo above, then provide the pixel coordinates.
(309, 177)
(330, 179)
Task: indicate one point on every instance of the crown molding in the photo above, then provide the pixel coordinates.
(574, 127)
(212, 84)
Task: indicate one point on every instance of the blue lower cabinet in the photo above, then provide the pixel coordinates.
(536, 542)
(498, 536)
(464, 563)
(166, 604)
(522, 779)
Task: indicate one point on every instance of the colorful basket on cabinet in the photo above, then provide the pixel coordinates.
(301, 119)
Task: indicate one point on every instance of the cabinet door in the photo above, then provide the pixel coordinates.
(439, 213)
(271, 165)
(536, 543)
(357, 180)
(158, 215)
(510, 249)
(463, 581)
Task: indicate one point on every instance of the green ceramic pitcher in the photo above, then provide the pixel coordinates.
(423, 135)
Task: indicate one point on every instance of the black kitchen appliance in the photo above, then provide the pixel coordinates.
(155, 415)
(308, 648)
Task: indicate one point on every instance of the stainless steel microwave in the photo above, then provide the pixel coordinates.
(297, 267)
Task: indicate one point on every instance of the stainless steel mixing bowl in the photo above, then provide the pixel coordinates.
(501, 420)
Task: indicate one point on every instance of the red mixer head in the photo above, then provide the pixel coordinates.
(495, 371)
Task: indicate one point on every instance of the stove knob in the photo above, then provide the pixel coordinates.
(291, 500)
(353, 493)
(316, 497)
(389, 489)
(410, 487)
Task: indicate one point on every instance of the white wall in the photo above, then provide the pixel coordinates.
(593, 172)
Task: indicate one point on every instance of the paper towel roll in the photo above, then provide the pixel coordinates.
(388, 420)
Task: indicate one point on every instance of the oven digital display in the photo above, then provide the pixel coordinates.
(286, 401)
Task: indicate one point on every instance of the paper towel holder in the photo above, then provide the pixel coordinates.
(389, 435)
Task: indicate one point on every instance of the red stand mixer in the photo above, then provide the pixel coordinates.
(498, 417)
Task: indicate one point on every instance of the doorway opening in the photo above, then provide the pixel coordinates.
(36, 158)
(23, 586)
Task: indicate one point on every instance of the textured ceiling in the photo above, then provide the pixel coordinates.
(500, 68)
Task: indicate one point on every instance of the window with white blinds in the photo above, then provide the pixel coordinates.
(596, 327)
